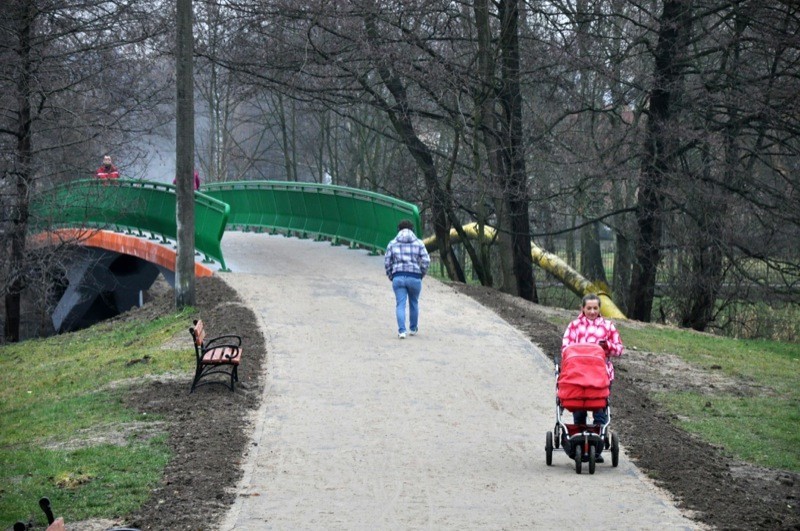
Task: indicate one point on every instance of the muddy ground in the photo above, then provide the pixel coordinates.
(208, 429)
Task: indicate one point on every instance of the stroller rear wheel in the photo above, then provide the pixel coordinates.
(614, 450)
(548, 448)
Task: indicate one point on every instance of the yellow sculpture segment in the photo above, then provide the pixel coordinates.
(547, 261)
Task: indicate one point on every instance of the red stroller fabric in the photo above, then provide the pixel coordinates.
(583, 382)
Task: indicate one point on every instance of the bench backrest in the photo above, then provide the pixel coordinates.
(198, 332)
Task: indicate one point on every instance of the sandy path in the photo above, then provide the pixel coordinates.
(445, 430)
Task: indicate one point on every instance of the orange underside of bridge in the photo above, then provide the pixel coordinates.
(121, 243)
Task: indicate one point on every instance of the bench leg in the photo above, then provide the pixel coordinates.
(234, 375)
(205, 370)
(198, 373)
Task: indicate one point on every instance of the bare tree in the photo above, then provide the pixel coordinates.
(72, 83)
(579, 115)
(735, 157)
(184, 156)
(500, 104)
(660, 151)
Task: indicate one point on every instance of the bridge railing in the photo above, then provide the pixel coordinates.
(130, 205)
(358, 216)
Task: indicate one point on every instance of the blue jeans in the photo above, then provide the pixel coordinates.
(407, 288)
(579, 417)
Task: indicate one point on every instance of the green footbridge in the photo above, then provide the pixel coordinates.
(147, 208)
(124, 229)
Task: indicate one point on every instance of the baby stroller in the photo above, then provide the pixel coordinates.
(582, 385)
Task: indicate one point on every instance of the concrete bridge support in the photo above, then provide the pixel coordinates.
(102, 284)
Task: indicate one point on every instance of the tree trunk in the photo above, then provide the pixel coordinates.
(291, 174)
(486, 124)
(569, 242)
(591, 255)
(517, 189)
(478, 267)
(22, 174)
(707, 253)
(659, 150)
(706, 276)
(502, 136)
(215, 128)
(437, 196)
(623, 260)
(184, 157)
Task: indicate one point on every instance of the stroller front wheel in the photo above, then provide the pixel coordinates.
(614, 450)
(578, 459)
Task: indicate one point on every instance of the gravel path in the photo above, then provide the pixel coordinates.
(444, 430)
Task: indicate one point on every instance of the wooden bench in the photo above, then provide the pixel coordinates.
(220, 355)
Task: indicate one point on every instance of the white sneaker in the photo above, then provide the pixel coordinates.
(401, 335)
(413, 332)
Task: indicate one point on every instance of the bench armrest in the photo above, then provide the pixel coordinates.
(213, 342)
(237, 352)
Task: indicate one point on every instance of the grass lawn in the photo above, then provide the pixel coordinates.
(64, 432)
(761, 429)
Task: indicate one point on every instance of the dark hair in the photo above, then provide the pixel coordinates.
(590, 297)
(405, 224)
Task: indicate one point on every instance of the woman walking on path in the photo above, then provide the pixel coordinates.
(406, 263)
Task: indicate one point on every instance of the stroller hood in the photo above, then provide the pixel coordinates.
(583, 378)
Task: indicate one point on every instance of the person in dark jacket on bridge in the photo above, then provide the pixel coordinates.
(406, 263)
